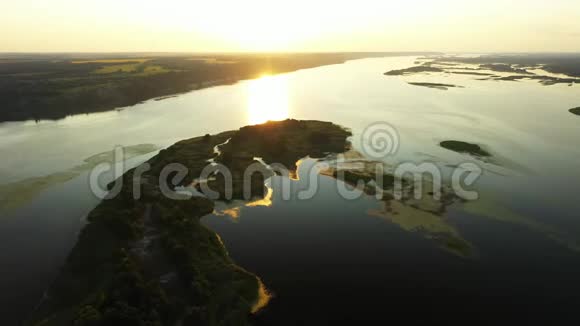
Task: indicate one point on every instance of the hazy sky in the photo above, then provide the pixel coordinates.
(290, 25)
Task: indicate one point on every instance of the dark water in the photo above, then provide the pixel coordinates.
(327, 260)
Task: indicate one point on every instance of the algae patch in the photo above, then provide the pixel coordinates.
(16, 194)
(424, 214)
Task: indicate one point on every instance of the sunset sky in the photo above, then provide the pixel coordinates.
(297, 25)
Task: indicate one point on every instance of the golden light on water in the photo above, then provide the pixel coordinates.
(263, 297)
(294, 175)
(234, 212)
(265, 202)
(268, 99)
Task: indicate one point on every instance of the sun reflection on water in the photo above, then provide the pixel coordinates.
(264, 202)
(268, 99)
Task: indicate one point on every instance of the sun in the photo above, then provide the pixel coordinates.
(267, 99)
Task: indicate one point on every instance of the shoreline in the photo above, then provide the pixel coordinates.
(53, 90)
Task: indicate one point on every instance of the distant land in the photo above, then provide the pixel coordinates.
(51, 86)
(547, 69)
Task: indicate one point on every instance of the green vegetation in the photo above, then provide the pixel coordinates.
(122, 68)
(575, 111)
(137, 68)
(149, 261)
(283, 143)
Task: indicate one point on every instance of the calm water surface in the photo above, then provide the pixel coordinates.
(329, 259)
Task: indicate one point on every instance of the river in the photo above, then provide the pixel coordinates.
(329, 256)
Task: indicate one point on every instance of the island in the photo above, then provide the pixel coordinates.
(439, 86)
(464, 147)
(145, 258)
(425, 68)
(575, 111)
